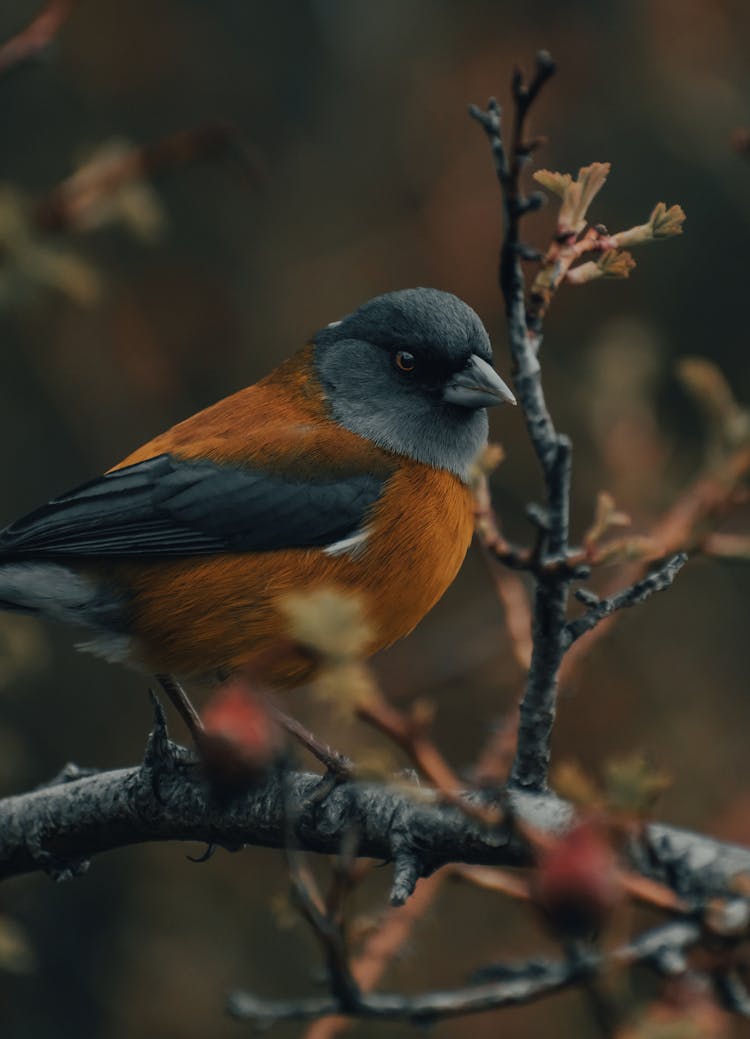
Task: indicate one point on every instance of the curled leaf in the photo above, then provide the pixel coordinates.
(557, 183)
(615, 263)
(611, 264)
(663, 223)
(576, 195)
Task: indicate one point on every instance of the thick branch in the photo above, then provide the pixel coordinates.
(58, 828)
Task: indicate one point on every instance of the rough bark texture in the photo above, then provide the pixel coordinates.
(58, 828)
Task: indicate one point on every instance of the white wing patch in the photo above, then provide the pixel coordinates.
(353, 545)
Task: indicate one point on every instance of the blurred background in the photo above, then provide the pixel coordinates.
(364, 175)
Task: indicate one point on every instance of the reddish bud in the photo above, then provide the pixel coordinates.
(577, 881)
(240, 739)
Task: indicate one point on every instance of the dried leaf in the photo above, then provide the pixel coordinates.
(606, 516)
(571, 783)
(28, 264)
(632, 786)
(97, 194)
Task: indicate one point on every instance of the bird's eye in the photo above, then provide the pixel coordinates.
(405, 361)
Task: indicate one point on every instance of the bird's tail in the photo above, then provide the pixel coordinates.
(49, 589)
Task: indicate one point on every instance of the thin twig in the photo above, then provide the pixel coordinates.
(519, 983)
(687, 526)
(37, 35)
(553, 450)
(410, 732)
(381, 947)
(337, 765)
(637, 593)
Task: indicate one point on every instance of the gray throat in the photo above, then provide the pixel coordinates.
(437, 434)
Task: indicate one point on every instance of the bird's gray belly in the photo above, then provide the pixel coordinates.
(64, 595)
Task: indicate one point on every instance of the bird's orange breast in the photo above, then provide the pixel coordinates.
(203, 615)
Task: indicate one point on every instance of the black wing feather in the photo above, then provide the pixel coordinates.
(173, 507)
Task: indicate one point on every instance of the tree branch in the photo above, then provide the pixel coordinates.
(58, 828)
(635, 594)
(662, 949)
(553, 450)
(37, 35)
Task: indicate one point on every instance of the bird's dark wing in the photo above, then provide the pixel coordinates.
(167, 506)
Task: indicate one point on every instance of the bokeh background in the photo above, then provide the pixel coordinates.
(369, 177)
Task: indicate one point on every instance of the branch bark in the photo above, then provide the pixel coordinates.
(537, 712)
(517, 983)
(59, 828)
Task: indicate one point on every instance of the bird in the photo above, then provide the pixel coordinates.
(346, 467)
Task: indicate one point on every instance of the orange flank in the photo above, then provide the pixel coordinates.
(203, 615)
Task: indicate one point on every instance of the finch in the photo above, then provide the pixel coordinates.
(346, 467)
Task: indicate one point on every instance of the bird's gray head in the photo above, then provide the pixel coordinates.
(412, 371)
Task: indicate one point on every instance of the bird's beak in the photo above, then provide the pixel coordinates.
(477, 386)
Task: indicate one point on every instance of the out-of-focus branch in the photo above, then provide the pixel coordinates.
(517, 983)
(70, 204)
(37, 35)
(381, 947)
(687, 526)
(411, 733)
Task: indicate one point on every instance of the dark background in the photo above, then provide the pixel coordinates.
(375, 179)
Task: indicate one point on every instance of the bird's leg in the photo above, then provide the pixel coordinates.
(182, 705)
